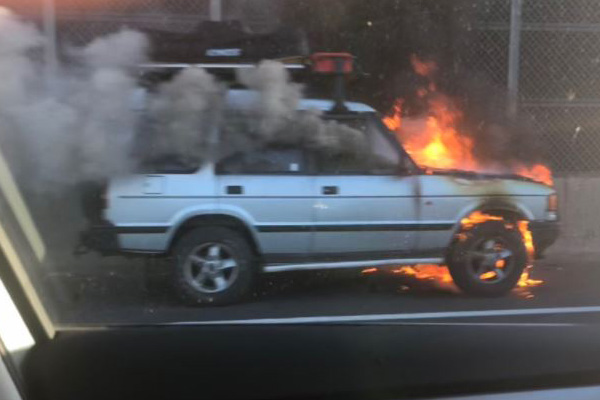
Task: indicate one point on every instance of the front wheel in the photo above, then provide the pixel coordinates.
(488, 260)
(214, 265)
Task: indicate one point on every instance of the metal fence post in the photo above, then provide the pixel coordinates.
(513, 57)
(50, 46)
(216, 10)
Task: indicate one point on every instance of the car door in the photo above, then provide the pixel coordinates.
(271, 190)
(365, 201)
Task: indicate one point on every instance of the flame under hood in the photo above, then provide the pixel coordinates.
(437, 141)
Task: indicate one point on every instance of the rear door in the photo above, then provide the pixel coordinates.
(271, 190)
(365, 200)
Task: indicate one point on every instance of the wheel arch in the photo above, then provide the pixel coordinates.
(215, 219)
(510, 210)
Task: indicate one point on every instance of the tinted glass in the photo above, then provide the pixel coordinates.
(380, 156)
(266, 161)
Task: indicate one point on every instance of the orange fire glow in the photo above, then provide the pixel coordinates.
(433, 272)
(434, 140)
(477, 218)
(527, 238)
(422, 67)
(525, 281)
(369, 270)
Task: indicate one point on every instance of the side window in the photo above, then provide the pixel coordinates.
(379, 157)
(338, 161)
(169, 164)
(385, 158)
(264, 161)
(342, 163)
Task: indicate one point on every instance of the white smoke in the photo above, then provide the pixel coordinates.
(279, 97)
(280, 121)
(79, 128)
(185, 113)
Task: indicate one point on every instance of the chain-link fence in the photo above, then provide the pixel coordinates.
(558, 58)
(82, 20)
(560, 80)
(559, 73)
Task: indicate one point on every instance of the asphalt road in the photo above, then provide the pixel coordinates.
(116, 295)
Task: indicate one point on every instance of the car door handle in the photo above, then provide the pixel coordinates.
(330, 190)
(234, 190)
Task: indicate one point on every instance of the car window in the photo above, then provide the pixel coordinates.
(342, 164)
(264, 161)
(380, 157)
(169, 164)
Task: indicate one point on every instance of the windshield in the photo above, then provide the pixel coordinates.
(220, 162)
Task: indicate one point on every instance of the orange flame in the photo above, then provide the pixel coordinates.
(477, 218)
(525, 281)
(435, 142)
(527, 239)
(426, 271)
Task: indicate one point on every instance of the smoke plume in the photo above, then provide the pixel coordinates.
(184, 113)
(275, 116)
(79, 125)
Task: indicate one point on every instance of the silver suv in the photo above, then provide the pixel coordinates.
(284, 208)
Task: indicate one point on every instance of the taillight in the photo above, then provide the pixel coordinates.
(552, 202)
(552, 207)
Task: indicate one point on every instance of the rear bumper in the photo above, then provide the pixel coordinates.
(101, 238)
(544, 234)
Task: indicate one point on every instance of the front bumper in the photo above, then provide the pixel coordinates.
(544, 234)
(100, 238)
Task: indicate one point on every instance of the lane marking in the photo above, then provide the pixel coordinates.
(396, 317)
(94, 327)
(515, 324)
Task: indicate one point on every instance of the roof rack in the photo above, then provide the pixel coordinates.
(335, 65)
(211, 66)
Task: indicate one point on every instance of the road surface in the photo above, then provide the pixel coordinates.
(570, 293)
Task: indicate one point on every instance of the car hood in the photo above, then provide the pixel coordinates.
(472, 175)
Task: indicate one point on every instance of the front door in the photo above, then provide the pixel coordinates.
(365, 201)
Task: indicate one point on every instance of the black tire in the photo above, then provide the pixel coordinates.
(230, 242)
(466, 259)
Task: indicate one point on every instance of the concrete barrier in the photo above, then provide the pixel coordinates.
(579, 208)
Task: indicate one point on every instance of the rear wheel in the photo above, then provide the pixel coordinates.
(214, 265)
(488, 259)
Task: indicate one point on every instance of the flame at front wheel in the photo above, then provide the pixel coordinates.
(492, 252)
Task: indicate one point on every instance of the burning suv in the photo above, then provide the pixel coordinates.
(284, 208)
